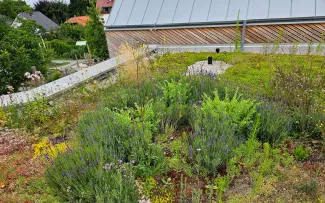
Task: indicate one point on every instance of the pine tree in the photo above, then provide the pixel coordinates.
(94, 33)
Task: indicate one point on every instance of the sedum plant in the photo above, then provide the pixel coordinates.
(301, 153)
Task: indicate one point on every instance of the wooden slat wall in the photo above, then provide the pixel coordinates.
(302, 33)
(219, 35)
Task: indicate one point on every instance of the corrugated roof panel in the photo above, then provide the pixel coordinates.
(258, 9)
(303, 8)
(124, 12)
(114, 12)
(280, 8)
(235, 7)
(183, 11)
(200, 11)
(167, 11)
(320, 8)
(138, 12)
(218, 10)
(152, 12)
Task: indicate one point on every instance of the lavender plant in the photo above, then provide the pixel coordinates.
(109, 142)
(276, 124)
(82, 175)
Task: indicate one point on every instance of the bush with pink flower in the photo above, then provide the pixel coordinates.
(35, 78)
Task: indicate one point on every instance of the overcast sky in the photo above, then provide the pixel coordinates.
(31, 2)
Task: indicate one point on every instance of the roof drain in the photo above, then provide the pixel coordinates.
(210, 60)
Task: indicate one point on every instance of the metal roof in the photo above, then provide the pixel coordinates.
(40, 19)
(147, 14)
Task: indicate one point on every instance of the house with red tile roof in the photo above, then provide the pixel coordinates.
(81, 20)
(104, 6)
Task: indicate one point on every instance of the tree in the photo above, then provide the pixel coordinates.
(20, 49)
(75, 32)
(3, 28)
(95, 35)
(67, 32)
(56, 10)
(11, 8)
(78, 7)
(32, 27)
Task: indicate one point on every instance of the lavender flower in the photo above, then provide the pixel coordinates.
(108, 166)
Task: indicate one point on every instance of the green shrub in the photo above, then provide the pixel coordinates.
(150, 90)
(78, 51)
(55, 75)
(30, 115)
(275, 126)
(310, 188)
(176, 98)
(299, 82)
(120, 97)
(258, 161)
(75, 32)
(305, 125)
(19, 51)
(175, 92)
(201, 85)
(301, 153)
(219, 126)
(60, 47)
(147, 114)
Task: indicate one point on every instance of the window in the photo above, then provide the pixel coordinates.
(106, 9)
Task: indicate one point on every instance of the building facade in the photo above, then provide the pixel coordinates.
(215, 24)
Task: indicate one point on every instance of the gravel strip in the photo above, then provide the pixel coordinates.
(203, 68)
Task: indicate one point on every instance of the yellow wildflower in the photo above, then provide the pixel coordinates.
(3, 186)
(46, 148)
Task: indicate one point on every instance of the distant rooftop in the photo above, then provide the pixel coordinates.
(104, 3)
(147, 14)
(40, 19)
(81, 20)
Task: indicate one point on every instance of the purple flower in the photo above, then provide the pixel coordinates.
(198, 103)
